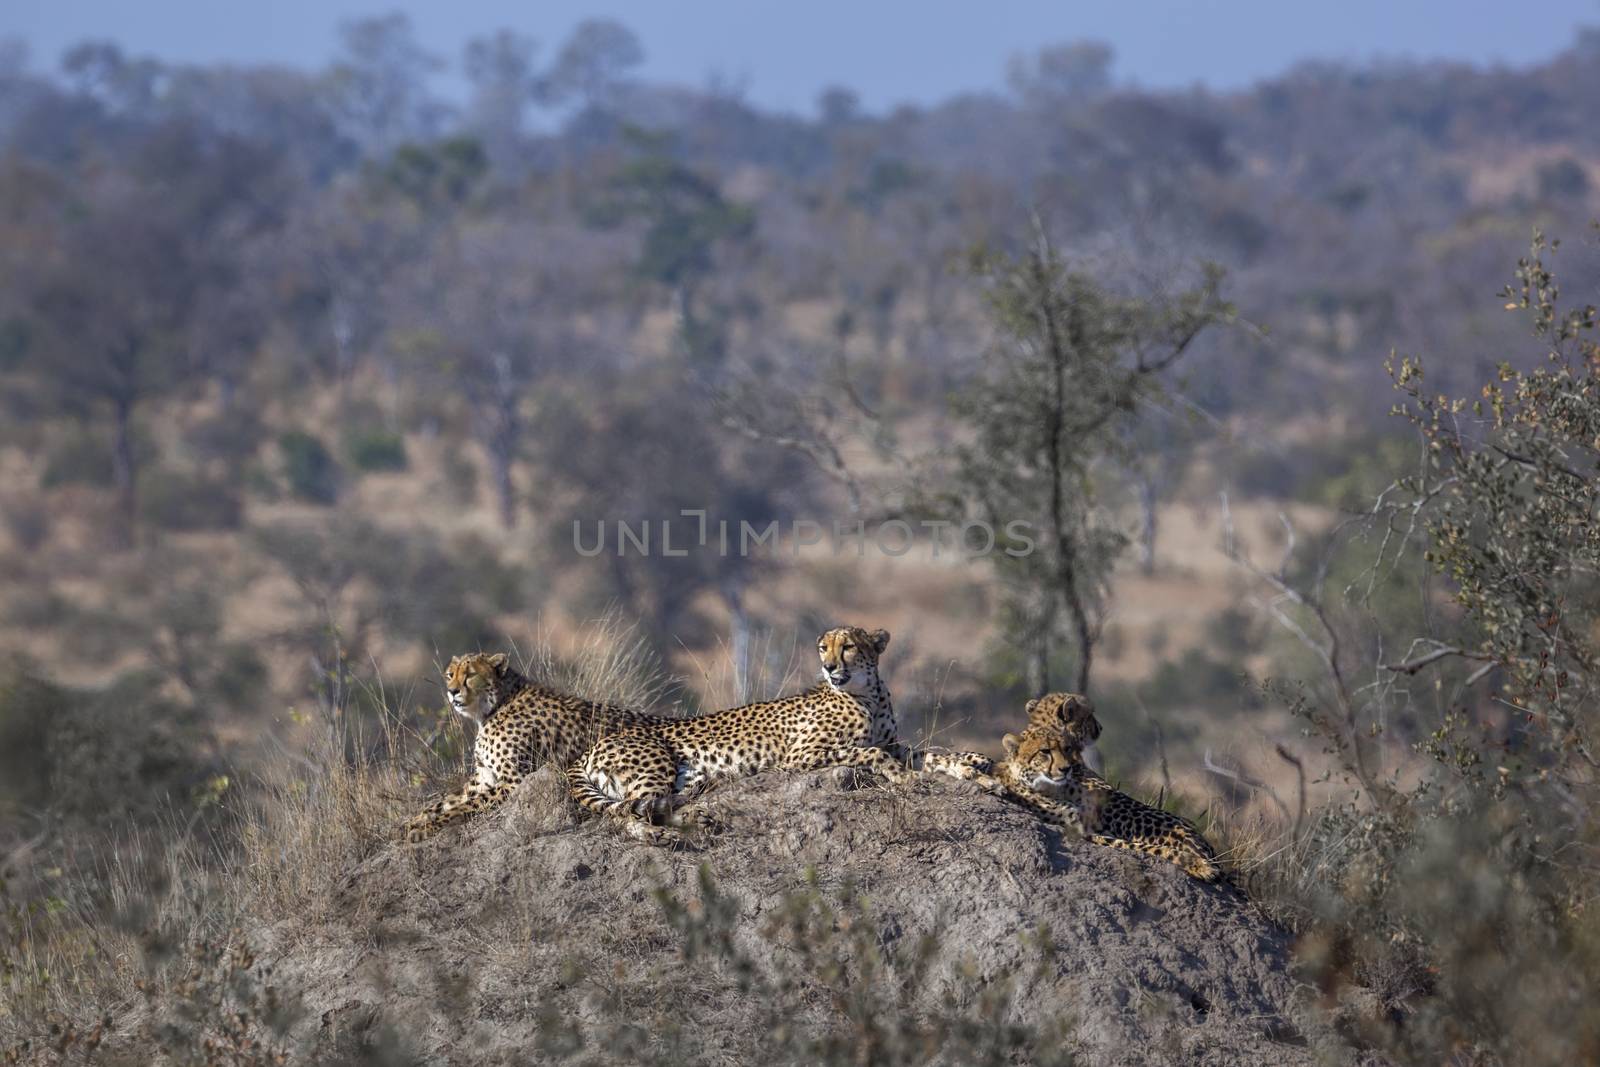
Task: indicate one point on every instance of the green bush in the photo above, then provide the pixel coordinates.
(27, 519)
(80, 459)
(94, 753)
(175, 500)
(29, 708)
(83, 456)
(458, 480)
(1562, 178)
(311, 470)
(373, 448)
(232, 436)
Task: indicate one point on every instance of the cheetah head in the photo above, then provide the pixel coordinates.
(1042, 756)
(1068, 714)
(473, 681)
(850, 657)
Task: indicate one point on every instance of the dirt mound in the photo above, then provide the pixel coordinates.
(796, 931)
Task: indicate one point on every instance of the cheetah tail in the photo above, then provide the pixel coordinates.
(588, 795)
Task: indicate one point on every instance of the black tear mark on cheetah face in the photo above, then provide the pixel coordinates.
(850, 656)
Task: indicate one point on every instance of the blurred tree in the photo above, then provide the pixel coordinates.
(1561, 178)
(439, 175)
(674, 461)
(837, 105)
(1062, 73)
(594, 63)
(100, 70)
(686, 219)
(495, 332)
(379, 85)
(505, 80)
(1071, 366)
(112, 305)
(334, 267)
(1156, 455)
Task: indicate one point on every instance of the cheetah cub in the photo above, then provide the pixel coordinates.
(1047, 760)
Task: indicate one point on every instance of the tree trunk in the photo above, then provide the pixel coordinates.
(502, 434)
(123, 474)
(1082, 631)
(1039, 664)
(1064, 339)
(1085, 639)
(738, 639)
(505, 494)
(1147, 524)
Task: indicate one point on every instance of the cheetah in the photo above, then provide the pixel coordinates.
(646, 771)
(650, 767)
(520, 726)
(1061, 712)
(1047, 760)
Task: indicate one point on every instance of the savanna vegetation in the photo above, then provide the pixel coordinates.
(312, 378)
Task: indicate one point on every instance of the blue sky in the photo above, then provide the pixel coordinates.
(889, 51)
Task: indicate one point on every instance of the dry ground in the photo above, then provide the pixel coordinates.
(471, 947)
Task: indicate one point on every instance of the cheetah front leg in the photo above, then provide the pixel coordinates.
(877, 760)
(474, 797)
(964, 766)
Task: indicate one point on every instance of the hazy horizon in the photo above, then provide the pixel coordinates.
(782, 58)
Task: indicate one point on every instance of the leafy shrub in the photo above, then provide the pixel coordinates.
(309, 467)
(232, 437)
(175, 500)
(79, 459)
(1455, 919)
(373, 448)
(96, 752)
(458, 478)
(30, 707)
(1561, 178)
(83, 456)
(124, 749)
(1460, 897)
(27, 520)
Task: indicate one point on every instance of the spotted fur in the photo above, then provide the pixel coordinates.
(1047, 760)
(1055, 713)
(649, 771)
(520, 727)
(649, 768)
(1061, 712)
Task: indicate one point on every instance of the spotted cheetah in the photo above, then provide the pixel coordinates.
(1047, 760)
(1061, 712)
(1058, 714)
(520, 727)
(646, 771)
(650, 767)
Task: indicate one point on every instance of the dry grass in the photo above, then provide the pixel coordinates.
(126, 926)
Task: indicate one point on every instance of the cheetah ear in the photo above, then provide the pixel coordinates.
(498, 661)
(1009, 742)
(1030, 705)
(880, 640)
